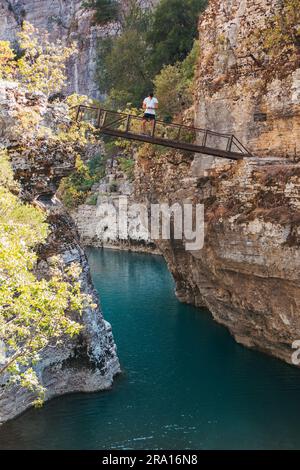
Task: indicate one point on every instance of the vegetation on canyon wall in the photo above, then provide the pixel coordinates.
(277, 45)
(75, 189)
(34, 312)
(39, 65)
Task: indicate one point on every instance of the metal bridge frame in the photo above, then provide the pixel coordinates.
(104, 120)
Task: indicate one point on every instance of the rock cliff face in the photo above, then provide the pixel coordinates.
(247, 82)
(247, 273)
(89, 361)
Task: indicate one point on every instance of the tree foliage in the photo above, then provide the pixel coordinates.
(7, 61)
(76, 188)
(42, 65)
(282, 34)
(105, 11)
(173, 85)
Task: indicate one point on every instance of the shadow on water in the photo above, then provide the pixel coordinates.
(185, 384)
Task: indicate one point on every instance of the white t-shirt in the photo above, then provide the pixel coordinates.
(150, 103)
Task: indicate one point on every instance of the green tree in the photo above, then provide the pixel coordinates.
(42, 66)
(123, 60)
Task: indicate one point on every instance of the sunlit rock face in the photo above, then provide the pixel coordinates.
(247, 273)
(241, 88)
(89, 361)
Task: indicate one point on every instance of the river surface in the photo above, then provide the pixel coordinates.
(186, 384)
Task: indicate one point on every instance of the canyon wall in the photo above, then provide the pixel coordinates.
(69, 21)
(87, 362)
(247, 273)
(98, 228)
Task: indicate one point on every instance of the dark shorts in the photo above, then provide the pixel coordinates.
(149, 117)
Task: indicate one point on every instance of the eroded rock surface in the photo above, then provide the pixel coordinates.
(89, 361)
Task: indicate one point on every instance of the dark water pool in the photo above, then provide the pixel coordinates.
(185, 383)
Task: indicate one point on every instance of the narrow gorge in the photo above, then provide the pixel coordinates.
(237, 73)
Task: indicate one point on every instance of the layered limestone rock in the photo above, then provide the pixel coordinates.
(110, 206)
(247, 83)
(247, 273)
(89, 361)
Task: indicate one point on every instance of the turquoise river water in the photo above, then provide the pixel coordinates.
(185, 384)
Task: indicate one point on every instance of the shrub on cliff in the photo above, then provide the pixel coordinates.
(76, 188)
(32, 311)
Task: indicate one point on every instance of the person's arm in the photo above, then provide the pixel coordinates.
(144, 104)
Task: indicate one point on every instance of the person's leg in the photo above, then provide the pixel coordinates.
(144, 121)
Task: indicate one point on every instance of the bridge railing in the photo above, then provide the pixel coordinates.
(129, 124)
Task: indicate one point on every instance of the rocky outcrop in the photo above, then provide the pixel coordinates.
(247, 83)
(247, 273)
(89, 361)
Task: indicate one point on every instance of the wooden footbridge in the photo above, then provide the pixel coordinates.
(179, 136)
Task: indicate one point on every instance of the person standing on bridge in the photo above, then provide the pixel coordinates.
(150, 105)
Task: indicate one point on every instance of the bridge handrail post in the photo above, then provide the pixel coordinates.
(204, 139)
(104, 118)
(229, 143)
(99, 117)
(153, 129)
(78, 113)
